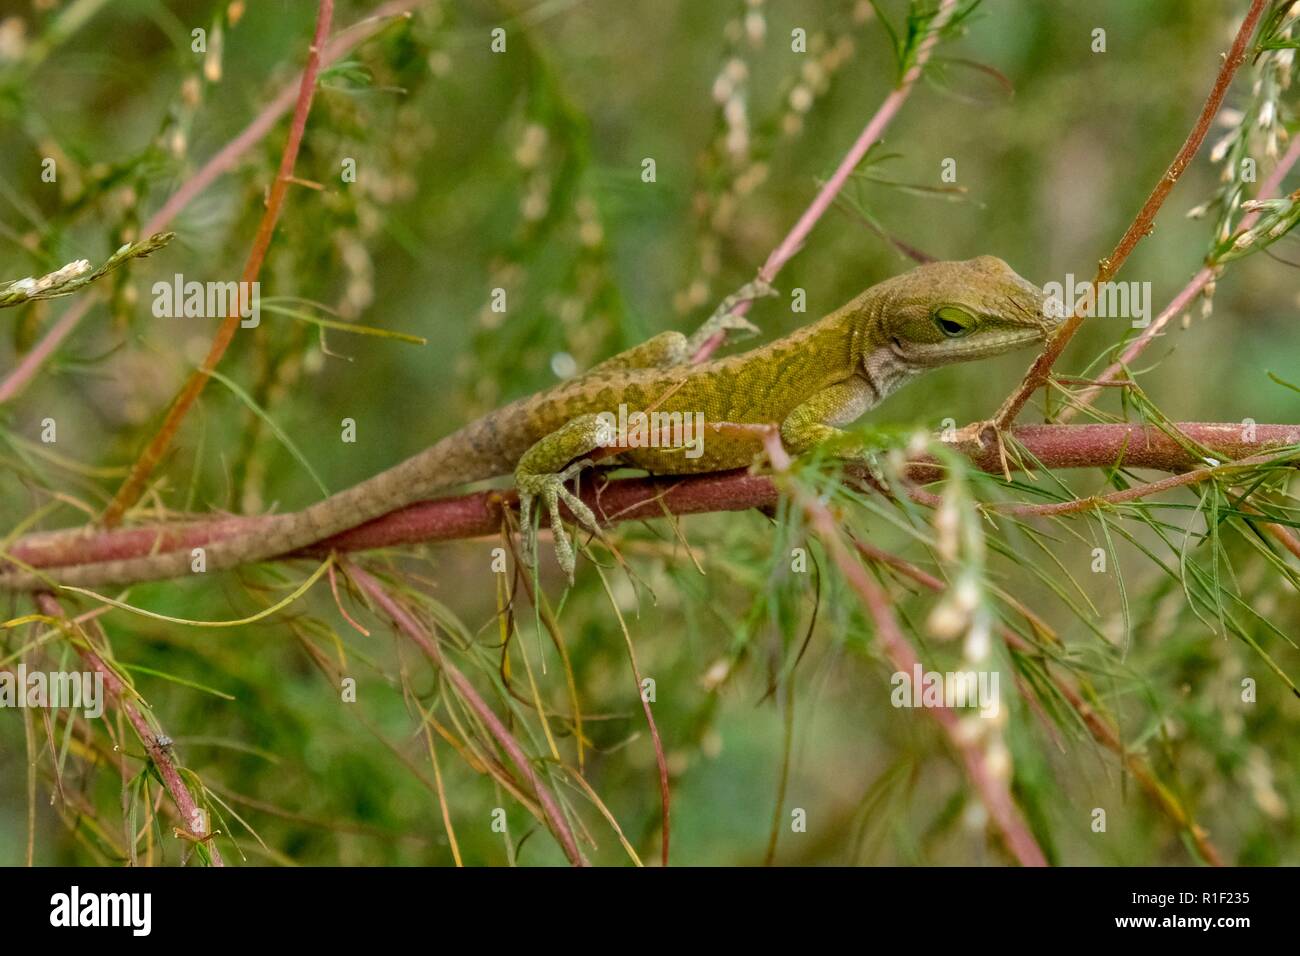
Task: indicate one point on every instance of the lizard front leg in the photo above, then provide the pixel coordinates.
(542, 473)
(816, 421)
(722, 320)
(544, 469)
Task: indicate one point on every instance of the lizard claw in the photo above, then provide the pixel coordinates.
(737, 323)
(550, 488)
(874, 470)
(528, 552)
(723, 320)
(973, 435)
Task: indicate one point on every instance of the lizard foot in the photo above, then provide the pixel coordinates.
(550, 488)
(973, 435)
(875, 470)
(723, 320)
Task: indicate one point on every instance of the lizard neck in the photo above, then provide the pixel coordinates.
(843, 338)
(872, 352)
(866, 320)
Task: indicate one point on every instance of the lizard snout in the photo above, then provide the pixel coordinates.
(1032, 304)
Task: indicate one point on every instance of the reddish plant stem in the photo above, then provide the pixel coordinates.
(632, 499)
(222, 162)
(186, 807)
(1100, 728)
(409, 625)
(1134, 493)
(1284, 537)
(1130, 445)
(129, 493)
(1142, 225)
(993, 791)
(870, 134)
(1270, 188)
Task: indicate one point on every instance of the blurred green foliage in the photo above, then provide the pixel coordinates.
(522, 170)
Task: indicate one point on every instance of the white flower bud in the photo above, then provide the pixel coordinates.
(734, 111)
(801, 99)
(947, 620)
(998, 761)
(967, 593)
(529, 151)
(969, 729)
(722, 89)
(979, 642)
(947, 521)
(1221, 148)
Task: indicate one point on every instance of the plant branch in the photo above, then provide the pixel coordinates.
(1102, 730)
(191, 816)
(825, 197)
(1134, 493)
(1142, 225)
(991, 786)
(133, 487)
(220, 163)
(409, 625)
(76, 275)
(635, 499)
(1270, 188)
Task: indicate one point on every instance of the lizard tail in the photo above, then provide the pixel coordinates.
(471, 454)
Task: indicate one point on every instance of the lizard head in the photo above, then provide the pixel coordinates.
(946, 312)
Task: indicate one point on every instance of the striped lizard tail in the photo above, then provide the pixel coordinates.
(474, 453)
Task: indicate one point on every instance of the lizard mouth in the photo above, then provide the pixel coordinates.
(973, 347)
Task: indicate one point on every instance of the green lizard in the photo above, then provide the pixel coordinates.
(811, 382)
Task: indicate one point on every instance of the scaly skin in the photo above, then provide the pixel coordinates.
(811, 382)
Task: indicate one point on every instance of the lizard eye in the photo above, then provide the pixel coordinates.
(954, 322)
